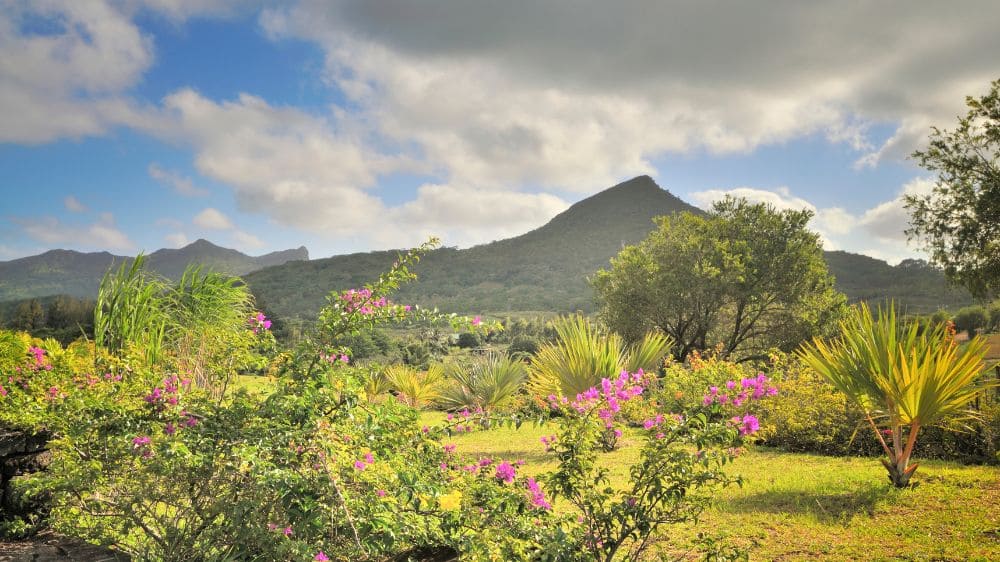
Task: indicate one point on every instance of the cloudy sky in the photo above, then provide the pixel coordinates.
(353, 125)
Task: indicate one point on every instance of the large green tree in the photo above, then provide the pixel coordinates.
(959, 221)
(743, 275)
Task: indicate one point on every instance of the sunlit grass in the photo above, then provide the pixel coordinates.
(808, 507)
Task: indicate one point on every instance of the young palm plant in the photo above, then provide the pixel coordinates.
(582, 355)
(911, 377)
(487, 383)
(415, 388)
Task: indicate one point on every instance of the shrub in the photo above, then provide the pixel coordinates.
(971, 319)
(486, 384)
(414, 388)
(522, 346)
(582, 356)
(913, 378)
(469, 340)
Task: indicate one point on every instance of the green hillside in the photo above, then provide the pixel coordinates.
(66, 272)
(547, 268)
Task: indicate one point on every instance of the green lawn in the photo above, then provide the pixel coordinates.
(809, 507)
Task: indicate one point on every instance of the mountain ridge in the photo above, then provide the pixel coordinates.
(545, 269)
(78, 274)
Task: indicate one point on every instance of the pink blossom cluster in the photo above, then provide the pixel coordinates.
(737, 393)
(38, 354)
(607, 399)
(141, 446)
(168, 393)
(360, 300)
(369, 459)
(536, 496)
(258, 323)
(334, 358)
(549, 442)
(747, 425)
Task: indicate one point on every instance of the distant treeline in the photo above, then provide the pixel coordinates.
(62, 317)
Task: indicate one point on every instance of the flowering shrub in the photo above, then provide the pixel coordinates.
(146, 459)
(681, 464)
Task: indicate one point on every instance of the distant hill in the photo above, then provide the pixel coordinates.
(918, 286)
(79, 274)
(544, 269)
(547, 268)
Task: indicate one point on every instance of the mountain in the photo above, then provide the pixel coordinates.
(79, 274)
(544, 269)
(547, 268)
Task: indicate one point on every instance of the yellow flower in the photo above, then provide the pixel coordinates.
(451, 501)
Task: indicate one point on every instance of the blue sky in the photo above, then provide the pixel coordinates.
(346, 126)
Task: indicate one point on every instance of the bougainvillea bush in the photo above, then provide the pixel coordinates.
(146, 460)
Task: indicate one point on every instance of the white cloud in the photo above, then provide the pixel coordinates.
(177, 240)
(245, 239)
(465, 216)
(70, 79)
(99, 236)
(579, 95)
(213, 219)
(74, 205)
(175, 181)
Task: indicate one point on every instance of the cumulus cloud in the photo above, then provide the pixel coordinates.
(177, 240)
(878, 231)
(577, 95)
(247, 240)
(74, 205)
(213, 219)
(101, 235)
(66, 68)
(176, 181)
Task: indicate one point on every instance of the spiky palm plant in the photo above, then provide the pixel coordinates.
(582, 355)
(912, 378)
(487, 383)
(415, 388)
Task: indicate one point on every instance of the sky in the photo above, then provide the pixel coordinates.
(354, 125)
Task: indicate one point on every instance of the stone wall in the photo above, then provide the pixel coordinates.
(20, 454)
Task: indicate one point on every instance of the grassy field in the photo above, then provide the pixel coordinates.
(810, 507)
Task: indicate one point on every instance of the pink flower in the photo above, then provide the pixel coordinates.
(477, 321)
(536, 496)
(369, 458)
(359, 465)
(320, 557)
(506, 472)
(287, 531)
(380, 493)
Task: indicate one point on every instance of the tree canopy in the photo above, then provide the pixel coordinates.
(744, 275)
(959, 221)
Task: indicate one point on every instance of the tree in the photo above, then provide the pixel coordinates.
(909, 377)
(746, 275)
(971, 319)
(29, 316)
(959, 221)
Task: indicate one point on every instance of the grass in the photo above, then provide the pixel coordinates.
(810, 507)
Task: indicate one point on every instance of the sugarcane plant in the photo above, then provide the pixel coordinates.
(904, 377)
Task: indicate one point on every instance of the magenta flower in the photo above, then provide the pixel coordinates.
(536, 496)
(359, 465)
(477, 321)
(287, 531)
(749, 425)
(506, 472)
(380, 493)
(320, 557)
(369, 458)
